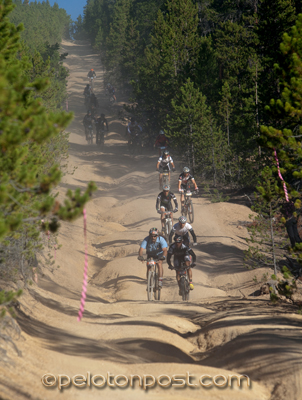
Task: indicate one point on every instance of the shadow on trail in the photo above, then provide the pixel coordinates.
(123, 351)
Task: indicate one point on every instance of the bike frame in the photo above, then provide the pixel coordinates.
(168, 224)
(188, 205)
(153, 289)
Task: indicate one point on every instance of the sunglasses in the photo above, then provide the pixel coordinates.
(154, 235)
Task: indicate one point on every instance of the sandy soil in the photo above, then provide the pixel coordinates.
(223, 330)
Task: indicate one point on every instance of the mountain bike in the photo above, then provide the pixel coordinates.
(164, 179)
(153, 288)
(100, 137)
(91, 81)
(168, 224)
(89, 136)
(135, 143)
(187, 209)
(184, 284)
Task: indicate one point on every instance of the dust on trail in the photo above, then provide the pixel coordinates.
(222, 330)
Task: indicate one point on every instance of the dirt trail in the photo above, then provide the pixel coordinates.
(223, 328)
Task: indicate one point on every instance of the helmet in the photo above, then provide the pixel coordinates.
(178, 239)
(182, 219)
(166, 153)
(132, 119)
(153, 231)
(103, 115)
(161, 132)
(186, 170)
(91, 69)
(166, 188)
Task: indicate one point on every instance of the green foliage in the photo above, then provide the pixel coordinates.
(266, 232)
(33, 147)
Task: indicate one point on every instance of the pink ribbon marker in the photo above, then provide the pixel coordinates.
(84, 287)
(281, 177)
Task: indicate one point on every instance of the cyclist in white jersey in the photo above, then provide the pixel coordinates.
(182, 228)
(164, 164)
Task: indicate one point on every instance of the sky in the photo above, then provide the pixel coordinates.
(72, 7)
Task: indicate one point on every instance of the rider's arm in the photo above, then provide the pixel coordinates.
(157, 206)
(179, 182)
(175, 200)
(157, 165)
(128, 129)
(195, 185)
(171, 234)
(106, 125)
(169, 255)
(141, 252)
(191, 252)
(141, 129)
(193, 235)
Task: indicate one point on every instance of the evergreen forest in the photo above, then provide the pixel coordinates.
(33, 142)
(223, 78)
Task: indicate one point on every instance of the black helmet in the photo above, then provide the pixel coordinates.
(153, 231)
(103, 115)
(132, 119)
(178, 239)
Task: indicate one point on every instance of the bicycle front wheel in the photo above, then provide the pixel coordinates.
(150, 285)
(183, 288)
(187, 286)
(156, 286)
(191, 212)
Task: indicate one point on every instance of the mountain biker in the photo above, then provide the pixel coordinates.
(100, 123)
(111, 91)
(184, 178)
(161, 141)
(182, 253)
(156, 247)
(91, 74)
(182, 228)
(164, 203)
(164, 164)
(87, 90)
(94, 101)
(87, 120)
(131, 128)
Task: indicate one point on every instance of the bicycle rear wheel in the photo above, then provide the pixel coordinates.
(150, 285)
(156, 286)
(191, 212)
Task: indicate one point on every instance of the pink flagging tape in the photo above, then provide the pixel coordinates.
(281, 177)
(84, 287)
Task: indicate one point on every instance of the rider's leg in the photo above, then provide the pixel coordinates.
(182, 201)
(160, 181)
(162, 218)
(190, 275)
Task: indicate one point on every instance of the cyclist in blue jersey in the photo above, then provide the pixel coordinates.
(156, 247)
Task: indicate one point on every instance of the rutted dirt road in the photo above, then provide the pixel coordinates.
(222, 330)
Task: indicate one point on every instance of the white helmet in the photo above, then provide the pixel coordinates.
(161, 132)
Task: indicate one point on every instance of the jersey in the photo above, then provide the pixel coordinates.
(131, 126)
(165, 162)
(180, 253)
(185, 179)
(154, 250)
(91, 74)
(161, 140)
(166, 201)
(183, 232)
